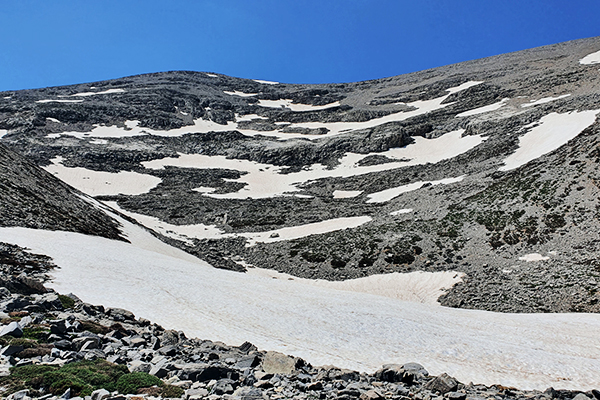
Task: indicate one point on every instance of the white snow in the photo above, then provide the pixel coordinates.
(241, 94)
(99, 141)
(323, 325)
(200, 231)
(553, 131)
(265, 82)
(58, 101)
(52, 119)
(286, 103)
(389, 194)
(179, 232)
(544, 100)
(248, 117)
(346, 194)
(97, 183)
(3, 132)
(108, 91)
(484, 109)
(422, 107)
(402, 211)
(593, 58)
(533, 257)
(265, 180)
(417, 286)
(300, 231)
(212, 75)
(335, 128)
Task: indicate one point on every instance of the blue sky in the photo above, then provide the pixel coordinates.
(49, 43)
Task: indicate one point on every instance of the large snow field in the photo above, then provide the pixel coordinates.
(265, 180)
(321, 324)
(554, 130)
(97, 183)
(593, 58)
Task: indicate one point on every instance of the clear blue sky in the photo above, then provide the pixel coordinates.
(48, 43)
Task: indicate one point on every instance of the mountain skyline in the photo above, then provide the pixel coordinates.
(69, 42)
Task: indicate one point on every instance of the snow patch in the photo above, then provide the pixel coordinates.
(52, 119)
(389, 194)
(3, 132)
(352, 330)
(212, 75)
(108, 91)
(346, 194)
(286, 103)
(533, 257)
(248, 117)
(179, 232)
(403, 211)
(97, 183)
(266, 180)
(593, 58)
(421, 107)
(265, 82)
(58, 101)
(554, 130)
(544, 100)
(241, 94)
(300, 231)
(484, 109)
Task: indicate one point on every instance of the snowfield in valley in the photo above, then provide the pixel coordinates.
(324, 325)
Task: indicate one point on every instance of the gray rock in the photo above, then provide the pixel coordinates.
(11, 350)
(249, 393)
(120, 314)
(456, 396)
(60, 327)
(278, 363)
(139, 366)
(13, 329)
(100, 394)
(20, 395)
(581, 396)
(443, 383)
(224, 386)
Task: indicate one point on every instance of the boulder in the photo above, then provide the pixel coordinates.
(278, 363)
(13, 329)
(443, 384)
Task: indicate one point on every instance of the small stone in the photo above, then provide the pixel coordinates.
(371, 395)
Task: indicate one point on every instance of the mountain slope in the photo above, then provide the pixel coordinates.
(486, 167)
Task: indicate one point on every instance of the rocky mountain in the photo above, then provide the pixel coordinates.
(487, 169)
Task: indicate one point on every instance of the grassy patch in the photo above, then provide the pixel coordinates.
(82, 377)
(66, 301)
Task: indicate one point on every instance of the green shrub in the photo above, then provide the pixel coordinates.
(82, 377)
(131, 383)
(170, 391)
(66, 301)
